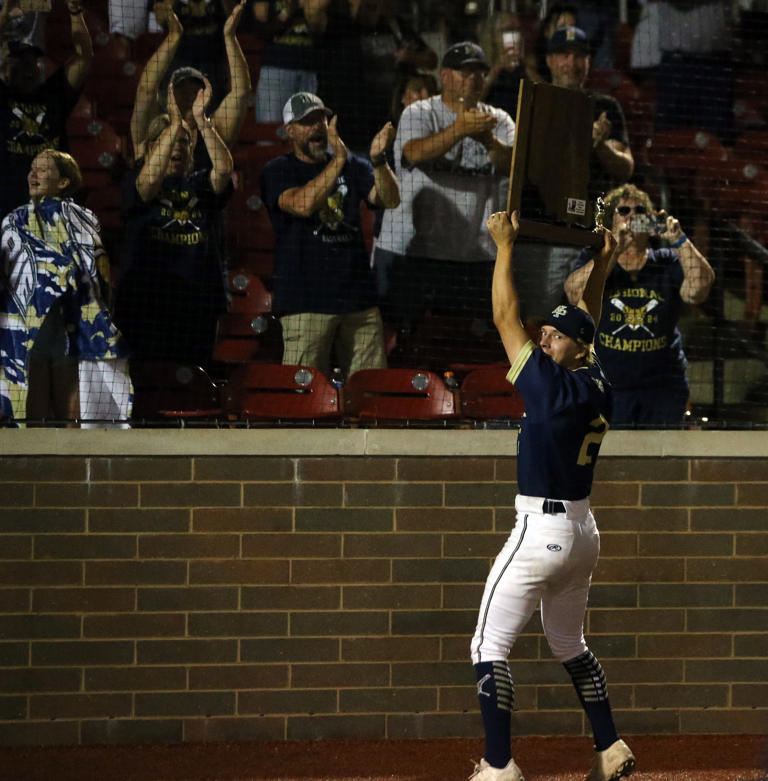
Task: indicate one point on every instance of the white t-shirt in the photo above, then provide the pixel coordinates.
(444, 203)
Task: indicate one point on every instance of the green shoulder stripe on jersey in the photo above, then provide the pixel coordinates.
(520, 361)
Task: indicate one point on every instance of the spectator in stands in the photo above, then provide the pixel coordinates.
(21, 24)
(128, 19)
(413, 87)
(611, 161)
(365, 51)
(56, 332)
(453, 155)
(559, 15)
(202, 46)
(324, 290)
(506, 45)
(187, 83)
(33, 109)
(542, 268)
(638, 342)
(687, 47)
(172, 290)
(289, 61)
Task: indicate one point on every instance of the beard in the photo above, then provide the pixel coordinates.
(316, 147)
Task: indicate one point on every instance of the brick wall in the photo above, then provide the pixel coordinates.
(151, 598)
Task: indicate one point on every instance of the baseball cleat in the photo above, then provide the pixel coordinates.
(485, 772)
(617, 761)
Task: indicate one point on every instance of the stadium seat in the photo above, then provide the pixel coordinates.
(752, 145)
(98, 150)
(275, 391)
(105, 203)
(243, 338)
(145, 46)
(685, 149)
(113, 88)
(486, 394)
(249, 223)
(173, 391)
(247, 293)
(397, 394)
(263, 133)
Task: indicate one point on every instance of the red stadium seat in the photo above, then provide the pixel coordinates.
(398, 394)
(249, 223)
(173, 391)
(263, 133)
(275, 391)
(243, 338)
(98, 150)
(247, 293)
(486, 394)
(113, 87)
(686, 149)
(105, 203)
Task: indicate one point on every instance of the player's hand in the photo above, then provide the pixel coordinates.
(202, 99)
(383, 140)
(334, 140)
(608, 250)
(601, 130)
(230, 26)
(175, 28)
(674, 230)
(503, 228)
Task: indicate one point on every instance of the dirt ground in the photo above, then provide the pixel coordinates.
(660, 758)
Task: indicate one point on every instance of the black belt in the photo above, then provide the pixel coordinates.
(552, 507)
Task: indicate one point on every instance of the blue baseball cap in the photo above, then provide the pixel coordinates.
(574, 322)
(568, 38)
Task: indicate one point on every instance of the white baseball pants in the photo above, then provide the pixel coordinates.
(548, 559)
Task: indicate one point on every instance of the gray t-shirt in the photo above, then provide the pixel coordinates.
(444, 203)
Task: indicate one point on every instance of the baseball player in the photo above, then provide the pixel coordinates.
(553, 549)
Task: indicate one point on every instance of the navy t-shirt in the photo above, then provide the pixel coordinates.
(566, 418)
(637, 341)
(321, 264)
(174, 234)
(30, 123)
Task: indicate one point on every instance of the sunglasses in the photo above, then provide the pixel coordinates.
(625, 210)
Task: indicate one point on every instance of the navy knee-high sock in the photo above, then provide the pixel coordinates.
(589, 680)
(496, 694)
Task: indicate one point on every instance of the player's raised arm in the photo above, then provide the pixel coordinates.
(592, 297)
(503, 228)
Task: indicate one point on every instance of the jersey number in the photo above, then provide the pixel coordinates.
(595, 437)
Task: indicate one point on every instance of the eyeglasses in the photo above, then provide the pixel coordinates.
(625, 210)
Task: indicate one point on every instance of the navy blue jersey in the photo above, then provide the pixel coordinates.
(566, 418)
(321, 264)
(638, 342)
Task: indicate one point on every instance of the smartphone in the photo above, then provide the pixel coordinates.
(512, 40)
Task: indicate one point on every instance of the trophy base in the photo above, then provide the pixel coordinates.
(559, 234)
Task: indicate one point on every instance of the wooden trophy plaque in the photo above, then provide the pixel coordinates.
(549, 179)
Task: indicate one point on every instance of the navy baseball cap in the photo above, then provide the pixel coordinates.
(300, 104)
(574, 322)
(568, 38)
(464, 53)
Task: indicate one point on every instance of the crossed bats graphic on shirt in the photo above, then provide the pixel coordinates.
(634, 317)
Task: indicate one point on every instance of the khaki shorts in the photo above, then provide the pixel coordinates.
(357, 338)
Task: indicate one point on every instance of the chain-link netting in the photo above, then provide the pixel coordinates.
(274, 211)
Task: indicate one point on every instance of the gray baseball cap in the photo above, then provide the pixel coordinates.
(300, 104)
